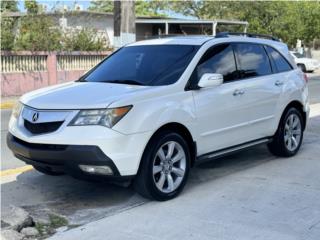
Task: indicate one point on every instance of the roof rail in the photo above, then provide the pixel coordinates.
(253, 35)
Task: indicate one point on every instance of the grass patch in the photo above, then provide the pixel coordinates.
(42, 228)
(55, 221)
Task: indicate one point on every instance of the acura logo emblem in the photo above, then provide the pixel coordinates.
(35, 116)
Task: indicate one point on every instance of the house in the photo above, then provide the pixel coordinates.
(146, 27)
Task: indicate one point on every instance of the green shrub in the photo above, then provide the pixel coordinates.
(38, 33)
(84, 40)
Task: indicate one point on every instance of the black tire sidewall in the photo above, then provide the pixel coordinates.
(280, 135)
(153, 147)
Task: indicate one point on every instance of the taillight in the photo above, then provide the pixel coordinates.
(305, 77)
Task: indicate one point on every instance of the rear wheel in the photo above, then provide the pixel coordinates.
(164, 168)
(288, 138)
(47, 171)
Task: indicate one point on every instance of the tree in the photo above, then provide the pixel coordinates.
(9, 6)
(8, 24)
(284, 19)
(7, 33)
(32, 6)
(150, 8)
(101, 6)
(143, 8)
(38, 33)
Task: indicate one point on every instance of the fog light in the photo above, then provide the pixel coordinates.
(100, 170)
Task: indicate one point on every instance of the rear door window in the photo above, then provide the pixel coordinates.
(252, 60)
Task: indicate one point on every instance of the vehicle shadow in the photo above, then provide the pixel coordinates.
(82, 202)
(224, 166)
(79, 201)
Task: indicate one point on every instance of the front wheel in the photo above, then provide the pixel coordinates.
(164, 168)
(288, 138)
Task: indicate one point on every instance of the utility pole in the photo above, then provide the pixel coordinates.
(124, 22)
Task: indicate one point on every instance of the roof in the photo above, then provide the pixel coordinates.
(199, 40)
(188, 21)
(21, 14)
(183, 40)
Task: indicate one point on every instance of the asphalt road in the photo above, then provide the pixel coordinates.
(8, 161)
(314, 87)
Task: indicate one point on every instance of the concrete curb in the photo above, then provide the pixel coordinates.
(15, 171)
(7, 105)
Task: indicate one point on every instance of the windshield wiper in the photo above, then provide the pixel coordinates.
(130, 82)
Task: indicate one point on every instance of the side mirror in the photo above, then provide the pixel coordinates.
(210, 80)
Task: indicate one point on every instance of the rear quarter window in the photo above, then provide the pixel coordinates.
(281, 64)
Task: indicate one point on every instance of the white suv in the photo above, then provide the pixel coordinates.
(153, 109)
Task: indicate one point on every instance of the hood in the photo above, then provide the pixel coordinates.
(78, 95)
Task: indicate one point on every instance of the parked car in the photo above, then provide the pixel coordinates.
(153, 109)
(304, 63)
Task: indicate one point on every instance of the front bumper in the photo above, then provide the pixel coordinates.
(64, 158)
(125, 150)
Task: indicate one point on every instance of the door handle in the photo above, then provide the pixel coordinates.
(238, 92)
(278, 83)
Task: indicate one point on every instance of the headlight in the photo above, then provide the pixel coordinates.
(17, 110)
(104, 117)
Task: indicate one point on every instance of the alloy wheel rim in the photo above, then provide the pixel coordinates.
(292, 132)
(169, 167)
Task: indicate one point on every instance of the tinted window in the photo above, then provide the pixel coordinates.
(219, 59)
(144, 65)
(281, 63)
(298, 55)
(253, 60)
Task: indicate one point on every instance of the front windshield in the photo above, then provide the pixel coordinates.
(298, 55)
(148, 65)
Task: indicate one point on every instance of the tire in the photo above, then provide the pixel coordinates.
(302, 67)
(47, 171)
(157, 158)
(291, 126)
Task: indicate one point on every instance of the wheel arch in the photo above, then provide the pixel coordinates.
(181, 130)
(298, 105)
